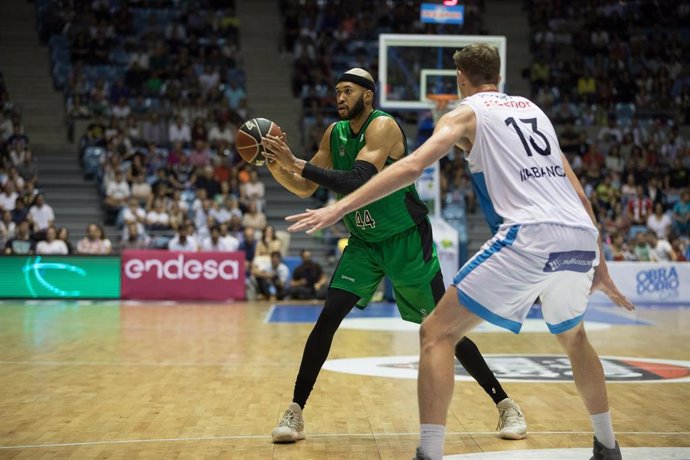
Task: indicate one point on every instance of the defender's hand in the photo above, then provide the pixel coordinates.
(603, 282)
(315, 219)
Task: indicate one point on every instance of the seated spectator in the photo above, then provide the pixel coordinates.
(681, 215)
(207, 182)
(95, 133)
(234, 228)
(118, 192)
(223, 169)
(308, 280)
(180, 132)
(200, 156)
(158, 218)
(182, 174)
(63, 234)
(199, 132)
(641, 248)
(680, 247)
(219, 213)
(27, 168)
(610, 133)
(248, 245)
(17, 135)
(639, 208)
(593, 158)
(141, 190)
(121, 109)
(177, 215)
(654, 191)
(659, 222)
(222, 136)
(18, 152)
(253, 217)
(224, 193)
(214, 242)
(95, 242)
(21, 244)
(41, 214)
(18, 181)
(20, 211)
(234, 94)
(133, 238)
(269, 242)
(52, 244)
(271, 275)
(618, 249)
(161, 183)
(183, 241)
(154, 129)
(253, 190)
(176, 155)
(133, 213)
(660, 249)
(209, 79)
(7, 228)
(8, 198)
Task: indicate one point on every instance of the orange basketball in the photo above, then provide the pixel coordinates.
(249, 139)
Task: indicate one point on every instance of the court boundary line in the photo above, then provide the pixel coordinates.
(326, 435)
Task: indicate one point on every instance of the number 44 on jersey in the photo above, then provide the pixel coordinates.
(364, 220)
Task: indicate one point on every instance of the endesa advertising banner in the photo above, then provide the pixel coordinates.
(171, 275)
(651, 282)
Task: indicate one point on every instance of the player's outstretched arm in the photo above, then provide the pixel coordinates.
(450, 129)
(602, 279)
(287, 169)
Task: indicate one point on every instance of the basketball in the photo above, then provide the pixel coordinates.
(249, 139)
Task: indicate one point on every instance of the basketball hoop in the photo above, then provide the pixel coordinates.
(443, 99)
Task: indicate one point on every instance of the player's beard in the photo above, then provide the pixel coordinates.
(355, 110)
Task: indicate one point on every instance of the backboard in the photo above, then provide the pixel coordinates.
(412, 66)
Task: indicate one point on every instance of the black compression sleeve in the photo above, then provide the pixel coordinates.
(341, 182)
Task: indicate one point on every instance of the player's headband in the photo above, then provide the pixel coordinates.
(356, 79)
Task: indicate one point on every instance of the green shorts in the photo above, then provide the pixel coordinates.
(408, 259)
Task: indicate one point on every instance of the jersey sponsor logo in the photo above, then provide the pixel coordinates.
(513, 104)
(661, 281)
(571, 261)
(525, 368)
(348, 278)
(538, 172)
(341, 151)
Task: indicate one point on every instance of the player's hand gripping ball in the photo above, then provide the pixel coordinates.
(249, 139)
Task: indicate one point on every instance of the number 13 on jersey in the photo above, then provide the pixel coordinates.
(364, 220)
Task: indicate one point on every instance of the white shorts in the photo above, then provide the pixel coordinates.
(521, 263)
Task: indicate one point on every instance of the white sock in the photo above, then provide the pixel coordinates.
(431, 438)
(603, 429)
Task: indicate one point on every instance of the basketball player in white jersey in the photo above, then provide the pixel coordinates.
(546, 244)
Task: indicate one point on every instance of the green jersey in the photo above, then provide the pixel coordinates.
(391, 214)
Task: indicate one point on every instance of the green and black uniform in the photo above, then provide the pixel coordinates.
(389, 237)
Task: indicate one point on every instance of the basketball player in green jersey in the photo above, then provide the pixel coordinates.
(390, 237)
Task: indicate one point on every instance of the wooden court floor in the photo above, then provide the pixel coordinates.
(113, 380)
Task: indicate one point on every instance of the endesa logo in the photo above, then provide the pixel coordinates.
(181, 268)
(165, 275)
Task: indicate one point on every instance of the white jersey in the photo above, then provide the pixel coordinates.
(516, 165)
